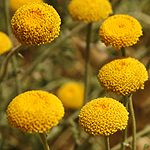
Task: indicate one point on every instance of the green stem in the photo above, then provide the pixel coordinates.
(107, 146)
(125, 102)
(5, 62)
(14, 60)
(133, 123)
(86, 84)
(129, 139)
(81, 147)
(44, 141)
(123, 51)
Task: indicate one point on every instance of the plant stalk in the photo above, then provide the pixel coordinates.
(44, 141)
(133, 123)
(86, 80)
(107, 145)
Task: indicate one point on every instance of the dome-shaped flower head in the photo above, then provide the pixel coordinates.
(120, 31)
(5, 43)
(35, 24)
(123, 75)
(103, 116)
(15, 4)
(35, 111)
(89, 10)
(71, 94)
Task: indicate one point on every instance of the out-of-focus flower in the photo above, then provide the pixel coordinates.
(5, 43)
(15, 4)
(71, 94)
(89, 10)
(35, 24)
(35, 111)
(103, 116)
(123, 75)
(120, 31)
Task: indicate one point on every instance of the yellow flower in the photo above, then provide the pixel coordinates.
(5, 43)
(71, 94)
(35, 111)
(15, 4)
(120, 31)
(35, 24)
(123, 75)
(89, 10)
(103, 116)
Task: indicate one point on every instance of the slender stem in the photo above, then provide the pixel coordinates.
(107, 146)
(14, 60)
(81, 147)
(123, 52)
(5, 62)
(44, 141)
(129, 139)
(133, 123)
(86, 82)
(125, 102)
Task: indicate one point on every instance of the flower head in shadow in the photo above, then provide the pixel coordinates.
(71, 94)
(123, 75)
(89, 10)
(5, 43)
(120, 31)
(35, 24)
(103, 116)
(35, 111)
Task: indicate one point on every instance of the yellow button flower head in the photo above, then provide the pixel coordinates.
(120, 31)
(5, 43)
(123, 75)
(71, 94)
(35, 24)
(89, 10)
(35, 111)
(15, 4)
(103, 116)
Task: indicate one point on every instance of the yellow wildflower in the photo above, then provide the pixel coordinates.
(71, 94)
(5, 43)
(103, 116)
(35, 111)
(120, 31)
(89, 10)
(123, 75)
(35, 24)
(15, 4)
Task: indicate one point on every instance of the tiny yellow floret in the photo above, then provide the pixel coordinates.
(120, 31)
(15, 4)
(103, 116)
(123, 75)
(71, 94)
(5, 43)
(35, 24)
(35, 111)
(89, 10)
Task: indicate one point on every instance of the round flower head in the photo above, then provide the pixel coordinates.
(15, 4)
(35, 24)
(89, 10)
(120, 31)
(103, 116)
(35, 111)
(71, 94)
(123, 75)
(5, 43)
